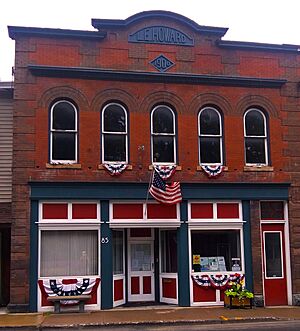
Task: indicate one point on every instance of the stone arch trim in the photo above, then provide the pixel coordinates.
(163, 97)
(113, 95)
(61, 92)
(256, 101)
(212, 99)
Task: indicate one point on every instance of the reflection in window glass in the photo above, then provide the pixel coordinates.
(168, 241)
(69, 253)
(118, 251)
(216, 250)
(255, 137)
(272, 210)
(163, 135)
(273, 254)
(63, 132)
(210, 136)
(114, 133)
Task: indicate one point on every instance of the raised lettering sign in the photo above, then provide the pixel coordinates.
(161, 35)
(162, 63)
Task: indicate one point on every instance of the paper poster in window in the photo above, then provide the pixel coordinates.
(213, 263)
(204, 263)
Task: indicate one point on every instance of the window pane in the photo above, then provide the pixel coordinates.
(272, 210)
(209, 122)
(217, 250)
(168, 251)
(63, 146)
(163, 120)
(210, 150)
(255, 150)
(254, 124)
(63, 116)
(163, 149)
(69, 253)
(114, 147)
(118, 267)
(273, 254)
(140, 257)
(114, 119)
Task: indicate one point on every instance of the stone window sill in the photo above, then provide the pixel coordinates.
(178, 168)
(101, 167)
(63, 166)
(199, 168)
(258, 168)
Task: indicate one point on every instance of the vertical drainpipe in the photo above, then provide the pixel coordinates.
(247, 245)
(106, 258)
(33, 271)
(183, 258)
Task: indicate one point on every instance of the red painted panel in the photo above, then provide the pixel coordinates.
(227, 210)
(275, 288)
(140, 232)
(159, 211)
(135, 285)
(202, 210)
(128, 211)
(84, 210)
(169, 288)
(203, 294)
(118, 290)
(147, 285)
(55, 211)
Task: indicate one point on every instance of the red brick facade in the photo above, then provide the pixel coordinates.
(34, 94)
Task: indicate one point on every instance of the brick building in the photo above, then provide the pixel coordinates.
(154, 91)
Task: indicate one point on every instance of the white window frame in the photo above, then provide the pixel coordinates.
(114, 133)
(220, 136)
(157, 134)
(264, 138)
(52, 131)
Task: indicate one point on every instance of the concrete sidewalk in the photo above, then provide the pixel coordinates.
(146, 315)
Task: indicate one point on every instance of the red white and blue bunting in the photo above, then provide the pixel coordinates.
(165, 171)
(69, 287)
(213, 171)
(220, 282)
(115, 169)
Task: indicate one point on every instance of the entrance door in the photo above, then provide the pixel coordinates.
(275, 280)
(140, 271)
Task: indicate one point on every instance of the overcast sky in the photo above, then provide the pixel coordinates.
(268, 21)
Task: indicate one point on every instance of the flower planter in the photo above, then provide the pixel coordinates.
(234, 302)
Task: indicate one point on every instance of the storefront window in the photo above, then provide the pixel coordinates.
(168, 251)
(69, 253)
(216, 251)
(118, 251)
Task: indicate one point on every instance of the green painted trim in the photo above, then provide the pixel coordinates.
(33, 274)
(106, 260)
(247, 245)
(183, 259)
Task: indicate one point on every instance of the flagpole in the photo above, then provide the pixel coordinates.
(150, 182)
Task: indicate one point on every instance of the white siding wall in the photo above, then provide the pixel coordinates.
(6, 141)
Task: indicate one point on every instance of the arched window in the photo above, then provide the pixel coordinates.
(255, 133)
(163, 135)
(114, 133)
(210, 136)
(63, 132)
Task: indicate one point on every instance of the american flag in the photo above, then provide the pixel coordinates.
(165, 193)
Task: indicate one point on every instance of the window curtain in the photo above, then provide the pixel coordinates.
(69, 253)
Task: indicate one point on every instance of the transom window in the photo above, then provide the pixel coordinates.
(63, 132)
(163, 135)
(114, 133)
(255, 132)
(210, 136)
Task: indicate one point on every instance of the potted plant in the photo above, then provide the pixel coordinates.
(237, 296)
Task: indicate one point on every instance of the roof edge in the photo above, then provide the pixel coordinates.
(118, 23)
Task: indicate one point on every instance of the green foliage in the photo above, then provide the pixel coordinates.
(238, 291)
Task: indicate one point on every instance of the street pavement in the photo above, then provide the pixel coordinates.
(164, 315)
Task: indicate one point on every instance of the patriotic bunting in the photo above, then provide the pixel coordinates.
(165, 193)
(165, 171)
(213, 171)
(115, 169)
(220, 282)
(67, 287)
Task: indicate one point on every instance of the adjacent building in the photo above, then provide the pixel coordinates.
(97, 112)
